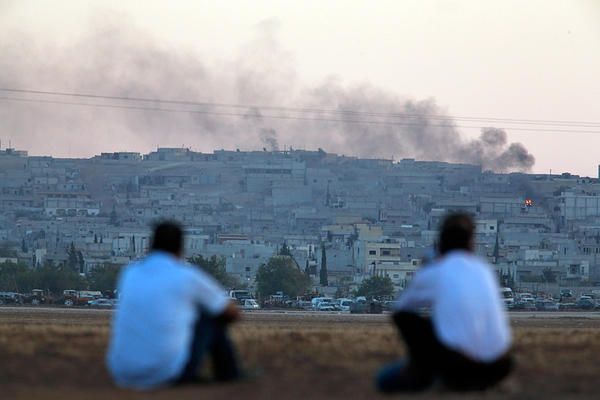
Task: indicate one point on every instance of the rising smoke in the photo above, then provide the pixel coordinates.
(116, 59)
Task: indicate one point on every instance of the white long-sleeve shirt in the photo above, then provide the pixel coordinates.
(466, 309)
(153, 325)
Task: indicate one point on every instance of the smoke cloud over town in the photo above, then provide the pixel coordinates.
(116, 59)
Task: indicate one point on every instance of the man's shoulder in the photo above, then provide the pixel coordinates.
(464, 257)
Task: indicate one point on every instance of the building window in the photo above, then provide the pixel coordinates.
(385, 252)
(372, 252)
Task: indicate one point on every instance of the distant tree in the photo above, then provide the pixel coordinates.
(376, 286)
(72, 259)
(80, 262)
(549, 275)
(323, 278)
(7, 249)
(114, 218)
(215, 266)
(343, 289)
(285, 250)
(496, 250)
(281, 274)
(16, 277)
(95, 238)
(104, 277)
(57, 279)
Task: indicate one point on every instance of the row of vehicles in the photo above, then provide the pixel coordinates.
(69, 298)
(322, 303)
(358, 305)
(331, 304)
(35, 297)
(544, 302)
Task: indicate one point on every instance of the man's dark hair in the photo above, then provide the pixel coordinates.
(456, 233)
(168, 237)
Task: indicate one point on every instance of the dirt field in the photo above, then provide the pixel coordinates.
(56, 354)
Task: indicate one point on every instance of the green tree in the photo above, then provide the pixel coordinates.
(8, 249)
(376, 286)
(104, 277)
(549, 275)
(215, 266)
(16, 278)
(114, 217)
(323, 278)
(80, 262)
(57, 279)
(281, 274)
(285, 250)
(72, 260)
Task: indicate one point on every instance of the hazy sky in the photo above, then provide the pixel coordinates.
(536, 60)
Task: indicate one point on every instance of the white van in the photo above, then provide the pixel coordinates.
(344, 304)
(508, 297)
(318, 300)
(249, 304)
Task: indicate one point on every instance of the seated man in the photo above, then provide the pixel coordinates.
(169, 317)
(465, 343)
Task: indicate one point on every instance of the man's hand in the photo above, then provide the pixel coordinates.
(231, 314)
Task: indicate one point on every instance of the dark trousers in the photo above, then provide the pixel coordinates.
(210, 338)
(429, 359)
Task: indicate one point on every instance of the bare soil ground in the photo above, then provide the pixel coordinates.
(59, 354)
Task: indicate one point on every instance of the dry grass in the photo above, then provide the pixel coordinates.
(46, 354)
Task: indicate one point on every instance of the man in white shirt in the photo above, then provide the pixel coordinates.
(466, 340)
(170, 315)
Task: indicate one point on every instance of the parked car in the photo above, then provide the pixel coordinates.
(566, 293)
(344, 304)
(10, 298)
(102, 303)
(585, 303)
(567, 305)
(249, 304)
(546, 305)
(524, 306)
(318, 300)
(526, 297)
(325, 306)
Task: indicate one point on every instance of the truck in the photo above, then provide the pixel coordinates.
(80, 297)
(37, 296)
(508, 297)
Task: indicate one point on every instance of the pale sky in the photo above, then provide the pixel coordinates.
(536, 60)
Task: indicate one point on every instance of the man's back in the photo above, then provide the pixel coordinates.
(467, 312)
(152, 327)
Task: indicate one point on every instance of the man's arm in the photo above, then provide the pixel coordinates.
(211, 296)
(230, 314)
(420, 293)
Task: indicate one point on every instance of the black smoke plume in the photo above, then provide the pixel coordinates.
(116, 59)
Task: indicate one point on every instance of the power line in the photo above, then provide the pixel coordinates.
(566, 123)
(282, 117)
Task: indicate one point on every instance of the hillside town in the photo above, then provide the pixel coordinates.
(367, 217)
